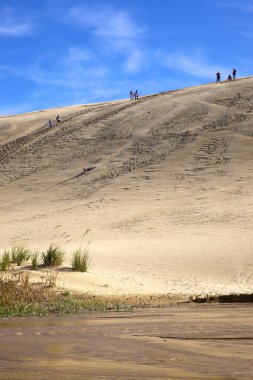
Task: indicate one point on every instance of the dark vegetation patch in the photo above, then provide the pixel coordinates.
(226, 298)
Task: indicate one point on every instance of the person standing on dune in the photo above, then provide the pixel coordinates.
(136, 95)
(234, 73)
(218, 75)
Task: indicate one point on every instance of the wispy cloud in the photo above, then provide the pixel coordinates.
(240, 6)
(15, 109)
(247, 34)
(107, 23)
(193, 65)
(6, 71)
(79, 78)
(134, 62)
(77, 55)
(12, 26)
(116, 31)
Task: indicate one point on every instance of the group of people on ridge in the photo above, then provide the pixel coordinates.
(230, 77)
(134, 95)
(50, 124)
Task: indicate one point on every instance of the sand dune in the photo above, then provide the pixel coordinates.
(169, 206)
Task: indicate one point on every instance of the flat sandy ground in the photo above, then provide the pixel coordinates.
(169, 206)
(189, 342)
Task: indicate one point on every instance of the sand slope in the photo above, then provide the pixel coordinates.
(169, 206)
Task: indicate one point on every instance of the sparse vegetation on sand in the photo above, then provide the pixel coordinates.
(35, 260)
(20, 254)
(5, 261)
(53, 257)
(81, 260)
(19, 296)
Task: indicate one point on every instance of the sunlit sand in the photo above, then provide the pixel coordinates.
(169, 205)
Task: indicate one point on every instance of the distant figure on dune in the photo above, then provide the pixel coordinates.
(86, 170)
(229, 78)
(234, 73)
(131, 95)
(58, 119)
(218, 76)
(49, 124)
(136, 95)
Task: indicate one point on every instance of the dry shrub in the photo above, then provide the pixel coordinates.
(20, 296)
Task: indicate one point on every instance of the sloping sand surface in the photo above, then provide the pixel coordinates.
(169, 205)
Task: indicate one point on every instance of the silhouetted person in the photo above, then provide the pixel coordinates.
(234, 73)
(136, 95)
(229, 78)
(131, 95)
(218, 76)
(58, 119)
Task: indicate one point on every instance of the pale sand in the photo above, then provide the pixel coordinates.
(169, 205)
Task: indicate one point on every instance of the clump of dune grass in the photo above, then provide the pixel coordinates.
(35, 260)
(81, 257)
(81, 260)
(53, 257)
(20, 254)
(5, 261)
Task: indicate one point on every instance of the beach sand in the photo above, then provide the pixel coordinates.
(169, 206)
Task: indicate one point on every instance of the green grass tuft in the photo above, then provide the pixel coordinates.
(53, 257)
(20, 254)
(81, 260)
(5, 261)
(35, 260)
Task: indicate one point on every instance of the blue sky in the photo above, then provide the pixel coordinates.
(64, 52)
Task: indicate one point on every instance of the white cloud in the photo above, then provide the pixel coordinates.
(12, 26)
(79, 78)
(74, 68)
(117, 34)
(134, 62)
(15, 30)
(106, 22)
(193, 65)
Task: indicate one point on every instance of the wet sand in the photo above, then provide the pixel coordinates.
(182, 342)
